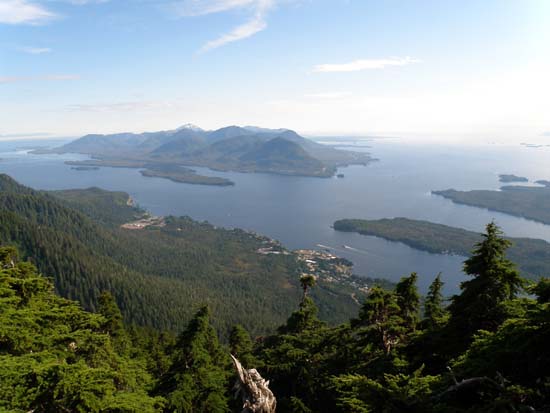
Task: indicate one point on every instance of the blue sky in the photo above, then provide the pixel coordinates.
(422, 69)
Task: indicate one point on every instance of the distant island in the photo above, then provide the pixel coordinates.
(522, 201)
(531, 255)
(165, 154)
(184, 175)
(508, 178)
(85, 168)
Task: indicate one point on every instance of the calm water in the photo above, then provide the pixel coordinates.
(299, 211)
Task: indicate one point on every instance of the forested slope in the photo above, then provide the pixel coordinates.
(487, 350)
(158, 275)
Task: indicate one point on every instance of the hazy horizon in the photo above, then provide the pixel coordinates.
(422, 71)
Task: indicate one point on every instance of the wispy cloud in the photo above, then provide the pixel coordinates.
(365, 64)
(23, 12)
(259, 10)
(17, 79)
(203, 7)
(121, 106)
(35, 50)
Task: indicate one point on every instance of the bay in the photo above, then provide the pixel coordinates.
(299, 211)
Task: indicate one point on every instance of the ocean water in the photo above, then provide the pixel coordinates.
(299, 211)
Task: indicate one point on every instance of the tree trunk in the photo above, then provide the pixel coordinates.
(254, 390)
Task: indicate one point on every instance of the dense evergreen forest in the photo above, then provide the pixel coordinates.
(532, 256)
(486, 349)
(159, 275)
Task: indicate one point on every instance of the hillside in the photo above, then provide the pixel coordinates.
(158, 275)
(486, 352)
(522, 201)
(248, 149)
(531, 255)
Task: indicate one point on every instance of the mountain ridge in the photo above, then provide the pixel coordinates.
(231, 148)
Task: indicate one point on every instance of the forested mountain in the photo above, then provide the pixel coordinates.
(488, 350)
(161, 274)
(248, 149)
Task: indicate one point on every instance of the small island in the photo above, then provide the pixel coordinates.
(340, 176)
(85, 168)
(543, 182)
(531, 255)
(175, 173)
(508, 178)
(184, 175)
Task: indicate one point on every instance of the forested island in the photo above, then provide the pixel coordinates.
(531, 255)
(85, 168)
(507, 178)
(181, 174)
(523, 201)
(175, 173)
(168, 154)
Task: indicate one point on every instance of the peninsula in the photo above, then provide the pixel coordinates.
(523, 201)
(531, 255)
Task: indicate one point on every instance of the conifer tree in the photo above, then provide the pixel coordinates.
(198, 377)
(434, 312)
(495, 280)
(114, 324)
(241, 346)
(307, 281)
(380, 318)
(408, 300)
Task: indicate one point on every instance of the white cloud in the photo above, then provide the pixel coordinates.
(35, 50)
(365, 64)
(23, 11)
(256, 23)
(203, 7)
(17, 79)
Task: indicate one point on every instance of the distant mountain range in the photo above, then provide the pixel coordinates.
(243, 149)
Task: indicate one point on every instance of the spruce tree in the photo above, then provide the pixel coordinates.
(241, 346)
(114, 325)
(380, 320)
(434, 312)
(495, 280)
(408, 300)
(198, 376)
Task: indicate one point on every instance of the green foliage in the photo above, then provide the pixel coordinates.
(542, 290)
(434, 313)
(491, 355)
(106, 207)
(198, 376)
(55, 357)
(307, 281)
(159, 274)
(523, 201)
(495, 280)
(532, 256)
(408, 300)
(392, 394)
(241, 346)
(381, 320)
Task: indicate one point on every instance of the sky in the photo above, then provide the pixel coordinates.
(438, 70)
